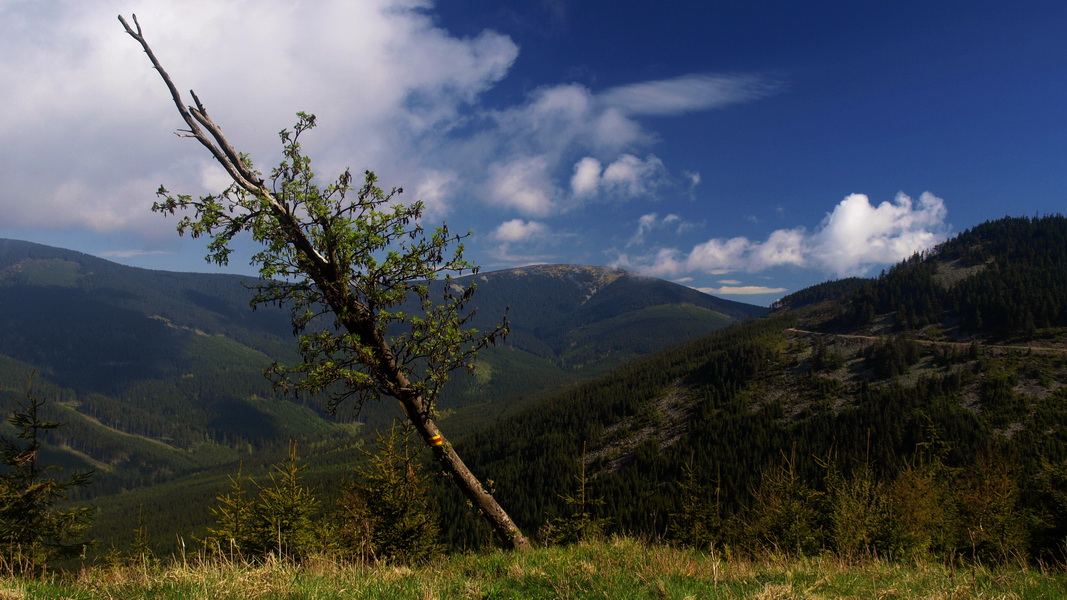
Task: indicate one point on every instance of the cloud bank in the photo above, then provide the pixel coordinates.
(93, 141)
(855, 237)
(394, 92)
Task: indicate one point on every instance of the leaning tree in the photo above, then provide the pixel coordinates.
(349, 261)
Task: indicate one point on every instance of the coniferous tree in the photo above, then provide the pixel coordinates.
(580, 521)
(1049, 526)
(283, 515)
(786, 513)
(990, 512)
(857, 506)
(699, 522)
(233, 519)
(33, 531)
(280, 520)
(387, 514)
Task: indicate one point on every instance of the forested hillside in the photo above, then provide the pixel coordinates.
(1001, 280)
(158, 375)
(837, 425)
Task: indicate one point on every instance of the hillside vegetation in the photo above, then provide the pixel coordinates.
(906, 431)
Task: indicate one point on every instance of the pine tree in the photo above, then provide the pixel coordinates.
(283, 515)
(580, 522)
(699, 523)
(386, 514)
(32, 530)
(787, 513)
(141, 549)
(233, 519)
(280, 520)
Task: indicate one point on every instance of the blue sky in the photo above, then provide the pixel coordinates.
(748, 149)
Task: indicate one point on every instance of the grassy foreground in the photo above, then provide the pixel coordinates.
(618, 568)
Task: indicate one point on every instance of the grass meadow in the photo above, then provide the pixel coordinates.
(615, 568)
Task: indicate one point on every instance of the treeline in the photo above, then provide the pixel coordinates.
(835, 289)
(1003, 279)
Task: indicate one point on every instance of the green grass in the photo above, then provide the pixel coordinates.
(619, 568)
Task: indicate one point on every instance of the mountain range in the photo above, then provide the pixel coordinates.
(936, 386)
(159, 373)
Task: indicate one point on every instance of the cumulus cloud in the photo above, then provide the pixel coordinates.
(90, 140)
(857, 234)
(434, 188)
(517, 230)
(852, 239)
(588, 139)
(586, 178)
(522, 184)
(627, 177)
(630, 176)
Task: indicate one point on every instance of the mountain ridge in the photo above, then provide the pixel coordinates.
(178, 357)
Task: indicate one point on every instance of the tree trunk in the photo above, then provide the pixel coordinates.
(505, 529)
(359, 323)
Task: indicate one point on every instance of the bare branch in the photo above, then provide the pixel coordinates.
(174, 94)
(224, 152)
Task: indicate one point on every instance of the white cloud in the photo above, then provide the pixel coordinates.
(851, 239)
(650, 222)
(517, 230)
(630, 176)
(586, 177)
(589, 140)
(131, 253)
(91, 139)
(627, 177)
(434, 189)
(688, 93)
(93, 117)
(743, 290)
(783, 247)
(214, 178)
(522, 184)
(718, 254)
(857, 234)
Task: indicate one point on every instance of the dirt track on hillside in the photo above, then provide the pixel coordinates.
(932, 342)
